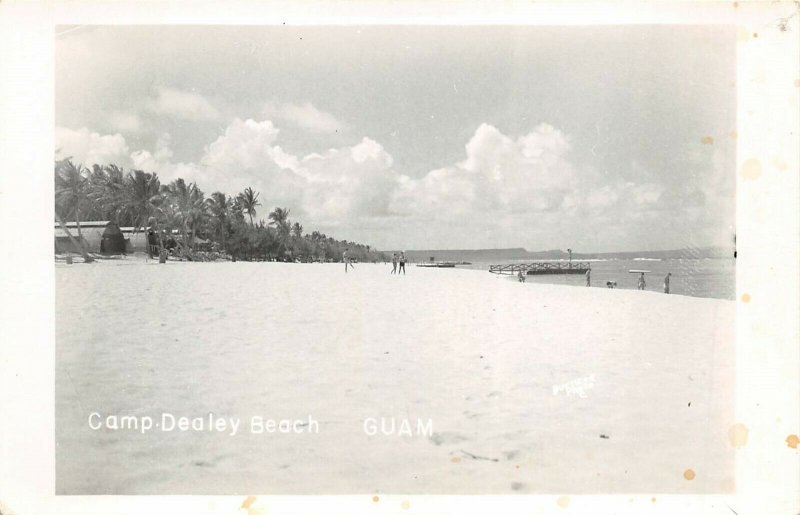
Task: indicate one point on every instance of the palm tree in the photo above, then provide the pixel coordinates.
(197, 210)
(219, 205)
(143, 198)
(172, 218)
(279, 216)
(142, 201)
(297, 230)
(95, 209)
(108, 191)
(138, 198)
(188, 203)
(249, 201)
(72, 190)
(280, 219)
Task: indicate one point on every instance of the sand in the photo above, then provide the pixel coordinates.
(477, 355)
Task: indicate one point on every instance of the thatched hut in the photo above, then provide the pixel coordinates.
(113, 241)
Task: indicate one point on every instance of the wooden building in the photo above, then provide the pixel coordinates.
(101, 236)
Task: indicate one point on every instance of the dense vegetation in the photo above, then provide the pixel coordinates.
(138, 199)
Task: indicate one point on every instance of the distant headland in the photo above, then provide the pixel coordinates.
(521, 253)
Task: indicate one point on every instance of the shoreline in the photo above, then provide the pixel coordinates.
(141, 258)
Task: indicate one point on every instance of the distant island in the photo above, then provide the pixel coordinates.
(483, 255)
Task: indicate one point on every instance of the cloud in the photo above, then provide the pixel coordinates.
(506, 188)
(346, 185)
(246, 155)
(338, 186)
(182, 104)
(89, 148)
(305, 116)
(246, 144)
(158, 161)
(248, 149)
(499, 175)
(126, 122)
(602, 197)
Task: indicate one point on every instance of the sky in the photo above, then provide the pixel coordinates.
(598, 139)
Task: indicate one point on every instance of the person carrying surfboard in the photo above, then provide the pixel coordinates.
(641, 281)
(666, 282)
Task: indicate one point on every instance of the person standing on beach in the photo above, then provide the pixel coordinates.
(346, 259)
(402, 263)
(666, 282)
(641, 281)
(394, 262)
(588, 278)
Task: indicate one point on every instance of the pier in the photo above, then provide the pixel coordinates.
(432, 263)
(437, 265)
(542, 268)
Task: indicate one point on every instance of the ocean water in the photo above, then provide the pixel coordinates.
(705, 277)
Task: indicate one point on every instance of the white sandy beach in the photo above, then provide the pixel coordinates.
(475, 353)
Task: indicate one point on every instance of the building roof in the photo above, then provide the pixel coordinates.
(59, 232)
(91, 223)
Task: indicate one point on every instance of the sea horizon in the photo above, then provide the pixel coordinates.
(444, 254)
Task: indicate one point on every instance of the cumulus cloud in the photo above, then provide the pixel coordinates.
(338, 186)
(88, 148)
(505, 186)
(185, 105)
(247, 144)
(350, 182)
(355, 184)
(499, 174)
(305, 116)
(246, 155)
(159, 161)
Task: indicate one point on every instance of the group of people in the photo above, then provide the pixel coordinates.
(642, 284)
(612, 284)
(396, 258)
(401, 259)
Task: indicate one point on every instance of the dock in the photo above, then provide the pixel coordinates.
(432, 263)
(542, 268)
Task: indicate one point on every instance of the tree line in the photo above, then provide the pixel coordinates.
(181, 214)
